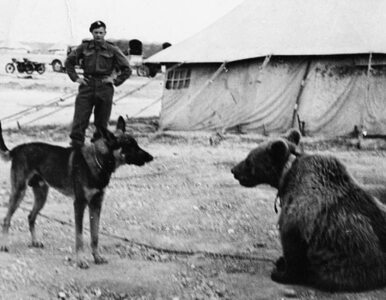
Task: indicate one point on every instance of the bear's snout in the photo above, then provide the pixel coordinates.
(243, 175)
(234, 172)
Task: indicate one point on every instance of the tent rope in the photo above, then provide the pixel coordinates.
(208, 82)
(36, 108)
(143, 85)
(47, 114)
(261, 68)
(54, 102)
(215, 75)
(132, 91)
(146, 107)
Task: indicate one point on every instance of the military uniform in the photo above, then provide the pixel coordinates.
(104, 65)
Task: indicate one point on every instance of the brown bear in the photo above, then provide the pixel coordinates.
(333, 233)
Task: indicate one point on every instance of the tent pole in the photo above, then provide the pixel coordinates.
(367, 89)
(265, 63)
(360, 131)
(303, 83)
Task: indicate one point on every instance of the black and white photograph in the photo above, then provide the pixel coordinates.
(180, 149)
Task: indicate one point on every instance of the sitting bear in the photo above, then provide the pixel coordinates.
(333, 233)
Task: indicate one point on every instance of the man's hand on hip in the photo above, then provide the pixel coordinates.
(82, 81)
(108, 79)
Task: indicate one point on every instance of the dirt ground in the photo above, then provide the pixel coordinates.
(178, 228)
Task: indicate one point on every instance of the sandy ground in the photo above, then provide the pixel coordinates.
(178, 228)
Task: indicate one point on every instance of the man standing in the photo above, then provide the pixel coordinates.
(104, 65)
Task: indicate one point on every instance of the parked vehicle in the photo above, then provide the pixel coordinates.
(148, 70)
(25, 66)
(58, 57)
(57, 65)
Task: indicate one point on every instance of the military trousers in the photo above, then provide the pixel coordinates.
(97, 96)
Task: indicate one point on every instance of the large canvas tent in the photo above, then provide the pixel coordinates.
(269, 65)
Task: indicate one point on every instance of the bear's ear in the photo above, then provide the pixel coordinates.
(279, 150)
(293, 135)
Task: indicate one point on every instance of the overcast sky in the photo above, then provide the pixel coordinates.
(68, 20)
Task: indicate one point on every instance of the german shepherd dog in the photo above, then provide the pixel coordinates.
(82, 173)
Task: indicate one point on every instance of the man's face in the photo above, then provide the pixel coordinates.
(99, 34)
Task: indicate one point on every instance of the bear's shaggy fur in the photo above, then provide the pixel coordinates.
(333, 233)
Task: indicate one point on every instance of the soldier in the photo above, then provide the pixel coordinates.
(104, 65)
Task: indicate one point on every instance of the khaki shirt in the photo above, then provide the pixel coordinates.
(98, 60)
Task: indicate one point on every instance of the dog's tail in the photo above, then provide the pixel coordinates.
(4, 151)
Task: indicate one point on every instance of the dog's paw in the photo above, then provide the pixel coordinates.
(36, 244)
(81, 260)
(99, 260)
(4, 248)
(83, 264)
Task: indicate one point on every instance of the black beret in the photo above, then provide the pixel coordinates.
(97, 24)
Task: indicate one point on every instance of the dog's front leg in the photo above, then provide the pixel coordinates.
(95, 207)
(79, 207)
(17, 195)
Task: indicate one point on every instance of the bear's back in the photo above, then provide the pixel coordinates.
(320, 195)
(319, 172)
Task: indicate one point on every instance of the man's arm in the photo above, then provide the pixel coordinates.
(71, 61)
(123, 66)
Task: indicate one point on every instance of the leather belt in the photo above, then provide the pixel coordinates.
(96, 77)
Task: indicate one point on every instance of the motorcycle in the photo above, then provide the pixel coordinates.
(26, 66)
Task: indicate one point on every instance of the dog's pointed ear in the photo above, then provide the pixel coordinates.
(121, 124)
(108, 135)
